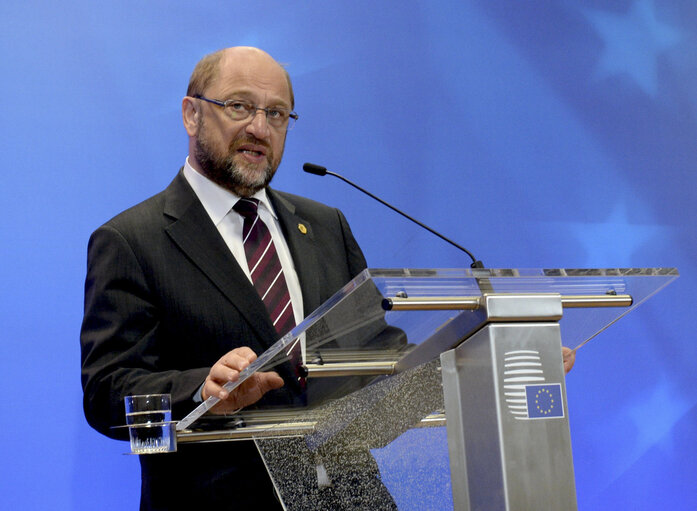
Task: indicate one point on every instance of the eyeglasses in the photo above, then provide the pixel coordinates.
(239, 110)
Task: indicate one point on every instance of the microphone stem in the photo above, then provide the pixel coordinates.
(475, 262)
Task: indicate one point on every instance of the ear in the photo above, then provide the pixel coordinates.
(190, 115)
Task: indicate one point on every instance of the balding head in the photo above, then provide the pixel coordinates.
(208, 68)
(239, 154)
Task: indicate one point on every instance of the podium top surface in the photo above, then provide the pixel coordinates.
(354, 329)
(565, 281)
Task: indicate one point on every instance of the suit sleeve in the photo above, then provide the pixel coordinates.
(354, 255)
(120, 338)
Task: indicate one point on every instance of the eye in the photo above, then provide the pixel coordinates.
(238, 106)
(277, 113)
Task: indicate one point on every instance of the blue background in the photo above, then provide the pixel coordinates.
(538, 134)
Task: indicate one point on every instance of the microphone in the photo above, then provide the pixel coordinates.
(318, 170)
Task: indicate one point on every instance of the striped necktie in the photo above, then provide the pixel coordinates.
(265, 266)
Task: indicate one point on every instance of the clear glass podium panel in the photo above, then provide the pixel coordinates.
(361, 414)
(579, 324)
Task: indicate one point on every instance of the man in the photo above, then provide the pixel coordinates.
(172, 304)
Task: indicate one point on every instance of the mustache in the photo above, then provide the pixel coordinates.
(249, 139)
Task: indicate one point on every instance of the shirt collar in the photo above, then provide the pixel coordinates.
(216, 200)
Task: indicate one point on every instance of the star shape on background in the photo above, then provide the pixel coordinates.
(659, 409)
(633, 43)
(614, 241)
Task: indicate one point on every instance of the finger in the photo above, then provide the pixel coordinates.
(222, 373)
(239, 358)
(219, 375)
(259, 385)
(233, 360)
(253, 389)
(227, 369)
(248, 393)
(270, 381)
(569, 357)
(246, 353)
(211, 388)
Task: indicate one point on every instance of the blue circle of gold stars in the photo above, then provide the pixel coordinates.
(544, 401)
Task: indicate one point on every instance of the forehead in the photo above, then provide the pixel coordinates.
(254, 75)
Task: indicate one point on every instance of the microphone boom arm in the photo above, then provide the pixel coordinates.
(321, 171)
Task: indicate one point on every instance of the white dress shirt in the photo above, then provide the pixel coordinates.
(218, 203)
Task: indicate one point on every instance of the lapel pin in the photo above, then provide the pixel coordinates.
(302, 228)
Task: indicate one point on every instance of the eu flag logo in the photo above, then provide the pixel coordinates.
(544, 401)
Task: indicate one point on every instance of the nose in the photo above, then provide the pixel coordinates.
(258, 126)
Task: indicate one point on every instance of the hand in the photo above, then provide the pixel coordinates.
(227, 369)
(569, 357)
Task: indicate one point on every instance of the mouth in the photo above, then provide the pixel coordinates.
(253, 151)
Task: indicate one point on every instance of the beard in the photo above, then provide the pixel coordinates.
(244, 179)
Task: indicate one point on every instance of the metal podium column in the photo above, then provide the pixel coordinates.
(507, 420)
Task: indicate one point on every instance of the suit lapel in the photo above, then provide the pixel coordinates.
(194, 233)
(303, 249)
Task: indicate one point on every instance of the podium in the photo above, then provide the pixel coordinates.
(430, 389)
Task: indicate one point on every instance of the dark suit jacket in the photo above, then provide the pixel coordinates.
(165, 298)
